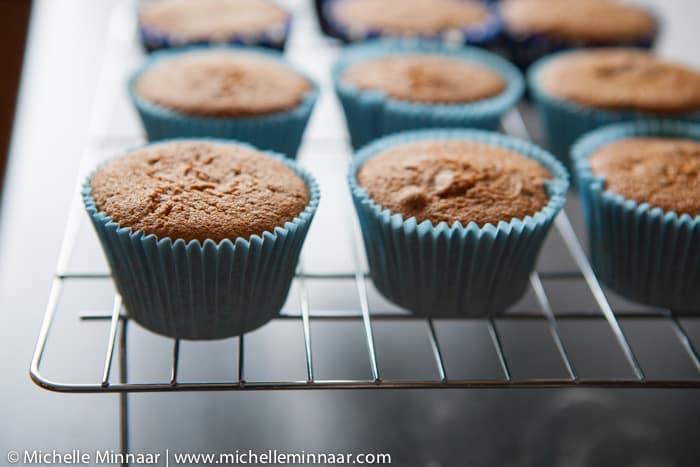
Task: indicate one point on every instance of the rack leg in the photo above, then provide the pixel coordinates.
(123, 397)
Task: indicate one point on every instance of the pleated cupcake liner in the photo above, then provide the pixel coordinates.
(273, 38)
(204, 290)
(370, 114)
(279, 132)
(481, 35)
(563, 122)
(644, 253)
(454, 271)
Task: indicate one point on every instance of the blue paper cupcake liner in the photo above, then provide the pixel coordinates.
(454, 271)
(371, 114)
(482, 35)
(563, 122)
(274, 38)
(646, 254)
(280, 131)
(203, 290)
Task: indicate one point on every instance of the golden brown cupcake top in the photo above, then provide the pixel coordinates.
(222, 83)
(454, 180)
(588, 21)
(663, 172)
(400, 17)
(622, 79)
(199, 190)
(211, 20)
(426, 78)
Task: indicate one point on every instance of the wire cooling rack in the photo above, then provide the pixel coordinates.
(576, 271)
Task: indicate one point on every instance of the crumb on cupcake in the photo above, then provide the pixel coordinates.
(450, 181)
(426, 78)
(622, 79)
(199, 190)
(222, 83)
(663, 172)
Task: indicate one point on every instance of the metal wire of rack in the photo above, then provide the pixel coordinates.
(119, 322)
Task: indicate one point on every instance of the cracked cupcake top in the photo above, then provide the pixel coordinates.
(588, 21)
(426, 78)
(455, 180)
(400, 17)
(664, 172)
(199, 190)
(222, 83)
(211, 20)
(622, 79)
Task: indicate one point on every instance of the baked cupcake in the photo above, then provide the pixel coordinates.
(453, 220)
(178, 23)
(535, 28)
(576, 92)
(202, 236)
(245, 94)
(320, 10)
(392, 85)
(453, 21)
(640, 186)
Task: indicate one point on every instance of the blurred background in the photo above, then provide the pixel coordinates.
(52, 51)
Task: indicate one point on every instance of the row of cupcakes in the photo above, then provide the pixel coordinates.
(203, 236)
(524, 30)
(254, 95)
(187, 267)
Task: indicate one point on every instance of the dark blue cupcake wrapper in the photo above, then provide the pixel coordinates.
(273, 38)
(646, 254)
(524, 50)
(321, 12)
(482, 34)
(280, 131)
(371, 114)
(454, 271)
(564, 122)
(203, 290)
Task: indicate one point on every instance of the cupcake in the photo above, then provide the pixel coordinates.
(453, 21)
(202, 236)
(576, 92)
(392, 85)
(640, 186)
(175, 23)
(320, 10)
(245, 94)
(535, 28)
(453, 220)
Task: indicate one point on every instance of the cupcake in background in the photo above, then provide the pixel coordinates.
(453, 220)
(578, 91)
(320, 10)
(453, 21)
(202, 236)
(640, 187)
(535, 28)
(394, 85)
(178, 23)
(246, 94)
